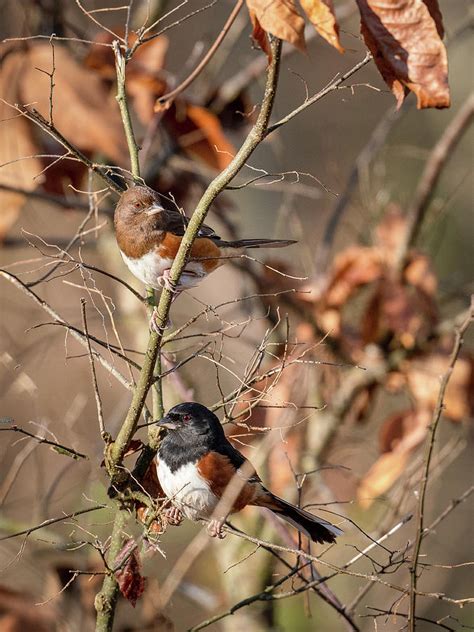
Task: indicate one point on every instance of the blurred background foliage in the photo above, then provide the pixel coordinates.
(368, 466)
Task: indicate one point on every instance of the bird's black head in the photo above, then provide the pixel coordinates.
(192, 420)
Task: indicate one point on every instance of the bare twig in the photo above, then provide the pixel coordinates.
(420, 517)
(51, 521)
(75, 333)
(58, 447)
(100, 415)
(166, 100)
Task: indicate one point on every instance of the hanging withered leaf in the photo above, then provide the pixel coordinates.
(400, 435)
(404, 36)
(129, 577)
(199, 133)
(279, 18)
(321, 15)
(90, 119)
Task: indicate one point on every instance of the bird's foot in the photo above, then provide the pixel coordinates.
(173, 516)
(154, 325)
(165, 282)
(214, 528)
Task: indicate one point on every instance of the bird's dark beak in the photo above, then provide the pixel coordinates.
(167, 423)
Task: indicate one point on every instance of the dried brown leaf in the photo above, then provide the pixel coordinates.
(199, 132)
(88, 118)
(404, 37)
(260, 36)
(401, 434)
(400, 311)
(354, 267)
(321, 15)
(17, 141)
(390, 233)
(19, 613)
(280, 18)
(423, 380)
(129, 577)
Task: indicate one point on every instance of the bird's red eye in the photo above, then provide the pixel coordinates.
(186, 417)
(137, 205)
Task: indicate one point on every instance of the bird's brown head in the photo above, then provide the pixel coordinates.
(137, 200)
(137, 220)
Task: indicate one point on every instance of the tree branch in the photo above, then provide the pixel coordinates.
(440, 154)
(420, 516)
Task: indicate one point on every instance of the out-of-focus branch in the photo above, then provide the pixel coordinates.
(372, 147)
(166, 100)
(420, 517)
(439, 156)
(58, 200)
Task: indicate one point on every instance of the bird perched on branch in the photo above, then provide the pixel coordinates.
(196, 464)
(149, 236)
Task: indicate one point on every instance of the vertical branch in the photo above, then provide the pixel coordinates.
(145, 380)
(420, 515)
(121, 97)
(440, 154)
(133, 148)
(106, 600)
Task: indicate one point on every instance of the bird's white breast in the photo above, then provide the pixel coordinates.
(151, 266)
(187, 490)
(148, 268)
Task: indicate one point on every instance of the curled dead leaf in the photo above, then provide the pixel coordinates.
(423, 377)
(129, 577)
(88, 118)
(400, 435)
(321, 15)
(199, 133)
(404, 38)
(398, 311)
(279, 18)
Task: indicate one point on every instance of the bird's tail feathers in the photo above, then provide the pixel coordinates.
(258, 243)
(315, 528)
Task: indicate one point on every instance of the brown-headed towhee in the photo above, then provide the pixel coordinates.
(149, 236)
(195, 464)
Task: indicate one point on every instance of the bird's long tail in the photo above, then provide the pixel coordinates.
(315, 528)
(257, 243)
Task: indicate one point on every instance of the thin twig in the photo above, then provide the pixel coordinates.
(420, 516)
(75, 333)
(166, 100)
(58, 447)
(51, 521)
(100, 414)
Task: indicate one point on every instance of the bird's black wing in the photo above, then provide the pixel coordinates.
(237, 459)
(176, 223)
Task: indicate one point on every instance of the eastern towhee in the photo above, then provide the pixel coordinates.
(195, 464)
(149, 236)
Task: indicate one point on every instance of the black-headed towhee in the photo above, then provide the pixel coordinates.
(195, 464)
(149, 236)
